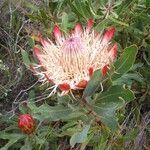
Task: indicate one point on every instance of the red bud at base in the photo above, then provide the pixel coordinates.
(26, 123)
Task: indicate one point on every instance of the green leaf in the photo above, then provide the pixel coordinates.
(82, 8)
(93, 84)
(65, 99)
(64, 24)
(92, 10)
(100, 26)
(128, 79)
(117, 21)
(147, 3)
(74, 9)
(102, 143)
(25, 57)
(43, 15)
(33, 107)
(31, 95)
(131, 135)
(114, 94)
(106, 113)
(31, 41)
(125, 5)
(108, 102)
(125, 62)
(68, 125)
(80, 137)
(76, 112)
(54, 113)
(33, 18)
(136, 66)
(32, 6)
(103, 2)
(27, 144)
(13, 138)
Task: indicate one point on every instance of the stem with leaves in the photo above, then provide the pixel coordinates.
(88, 107)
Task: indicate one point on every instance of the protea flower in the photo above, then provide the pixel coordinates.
(70, 60)
(26, 123)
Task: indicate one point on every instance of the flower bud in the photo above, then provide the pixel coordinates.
(26, 123)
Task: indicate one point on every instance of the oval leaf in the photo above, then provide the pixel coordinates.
(80, 137)
(25, 57)
(125, 62)
(108, 102)
(93, 84)
(114, 94)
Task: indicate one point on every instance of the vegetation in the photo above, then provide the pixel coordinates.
(115, 118)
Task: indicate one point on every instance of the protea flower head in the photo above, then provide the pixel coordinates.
(26, 123)
(70, 60)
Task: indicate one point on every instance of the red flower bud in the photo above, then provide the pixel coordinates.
(26, 123)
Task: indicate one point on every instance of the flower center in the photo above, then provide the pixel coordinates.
(72, 45)
(72, 59)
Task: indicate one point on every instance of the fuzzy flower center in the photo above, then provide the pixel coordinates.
(71, 45)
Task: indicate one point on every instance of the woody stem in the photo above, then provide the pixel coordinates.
(90, 110)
